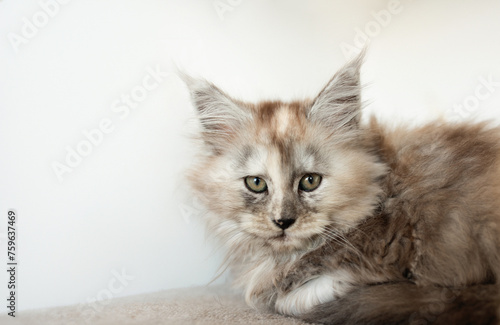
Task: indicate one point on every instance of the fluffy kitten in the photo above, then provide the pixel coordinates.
(338, 222)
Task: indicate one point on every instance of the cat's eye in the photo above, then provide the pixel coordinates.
(309, 182)
(255, 184)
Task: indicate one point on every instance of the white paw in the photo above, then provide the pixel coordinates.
(314, 292)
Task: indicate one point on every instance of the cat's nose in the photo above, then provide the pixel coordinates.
(284, 223)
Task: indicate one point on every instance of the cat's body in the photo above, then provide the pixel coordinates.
(316, 208)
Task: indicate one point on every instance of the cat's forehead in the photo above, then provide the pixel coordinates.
(280, 159)
(279, 123)
(280, 138)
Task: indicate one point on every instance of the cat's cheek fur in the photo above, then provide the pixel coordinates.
(317, 291)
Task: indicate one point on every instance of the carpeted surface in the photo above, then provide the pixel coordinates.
(200, 305)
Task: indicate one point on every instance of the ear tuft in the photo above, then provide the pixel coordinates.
(339, 103)
(220, 116)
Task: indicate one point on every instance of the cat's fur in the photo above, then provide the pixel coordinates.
(400, 214)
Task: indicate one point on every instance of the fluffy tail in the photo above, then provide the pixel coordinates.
(405, 303)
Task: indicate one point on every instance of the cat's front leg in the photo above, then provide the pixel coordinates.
(299, 299)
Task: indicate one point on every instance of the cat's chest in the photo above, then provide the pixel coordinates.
(259, 279)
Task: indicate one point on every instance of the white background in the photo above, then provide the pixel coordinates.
(124, 207)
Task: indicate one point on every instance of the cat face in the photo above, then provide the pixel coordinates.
(285, 175)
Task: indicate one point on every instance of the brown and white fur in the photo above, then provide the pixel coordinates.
(399, 216)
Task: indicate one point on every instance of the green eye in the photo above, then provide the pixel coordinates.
(309, 182)
(255, 184)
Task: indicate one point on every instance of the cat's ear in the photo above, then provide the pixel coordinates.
(220, 116)
(339, 103)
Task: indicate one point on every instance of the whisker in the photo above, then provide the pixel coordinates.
(336, 239)
(342, 239)
(352, 226)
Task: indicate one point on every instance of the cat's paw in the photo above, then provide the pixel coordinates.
(312, 293)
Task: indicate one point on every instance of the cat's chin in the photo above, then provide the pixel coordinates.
(284, 243)
(283, 238)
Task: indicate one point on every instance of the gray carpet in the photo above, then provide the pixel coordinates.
(200, 305)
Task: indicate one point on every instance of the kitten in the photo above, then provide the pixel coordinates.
(334, 221)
